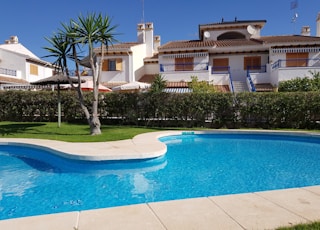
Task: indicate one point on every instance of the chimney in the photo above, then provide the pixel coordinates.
(156, 43)
(305, 31)
(149, 39)
(12, 40)
(318, 25)
(141, 33)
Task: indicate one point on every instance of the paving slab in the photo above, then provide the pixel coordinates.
(133, 217)
(60, 221)
(299, 201)
(197, 213)
(314, 189)
(254, 212)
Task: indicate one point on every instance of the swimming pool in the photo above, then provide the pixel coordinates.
(33, 182)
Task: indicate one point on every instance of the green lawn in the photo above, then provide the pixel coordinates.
(310, 226)
(68, 132)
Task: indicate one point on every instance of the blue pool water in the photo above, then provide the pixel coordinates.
(34, 182)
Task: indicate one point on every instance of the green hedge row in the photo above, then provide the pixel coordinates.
(215, 110)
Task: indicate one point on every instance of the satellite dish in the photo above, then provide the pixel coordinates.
(206, 34)
(251, 29)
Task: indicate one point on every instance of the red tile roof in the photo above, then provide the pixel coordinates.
(10, 80)
(187, 44)
(292, 39)
(119, 46)
(288, 39)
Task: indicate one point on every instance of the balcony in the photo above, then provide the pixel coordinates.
(296, 63)
(8, 72)
(257, 69)
(184, 67)
(220, 69)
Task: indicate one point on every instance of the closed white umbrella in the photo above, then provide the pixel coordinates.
(136, 85)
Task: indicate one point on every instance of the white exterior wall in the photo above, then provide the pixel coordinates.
(237, 70)
(117, 76)
(171, 75)
(215, 34)
(149, 39)
(13, 61)
(284, 74)
(138, 54)
(17, 62)
(151, 68)
(43, 72)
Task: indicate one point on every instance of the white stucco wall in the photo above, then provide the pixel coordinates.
(43, 72)
(138, 54)
(13, 61)
(117, 76)
(236, 63)
(151, 68)
(17, 62)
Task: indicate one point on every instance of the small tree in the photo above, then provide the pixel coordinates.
(200, 86)
(158, 84)
(69, 42)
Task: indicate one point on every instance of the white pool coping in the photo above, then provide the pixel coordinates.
(258, 210)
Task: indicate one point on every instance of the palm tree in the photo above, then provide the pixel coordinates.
(158, 84)
(80, 33)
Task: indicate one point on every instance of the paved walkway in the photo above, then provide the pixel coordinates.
(260, 210)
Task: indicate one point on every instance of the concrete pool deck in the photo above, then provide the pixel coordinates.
(258, 210)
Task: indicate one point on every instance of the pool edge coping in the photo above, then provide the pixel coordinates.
(141, 146)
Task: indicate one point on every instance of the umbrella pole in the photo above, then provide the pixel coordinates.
(59, 107)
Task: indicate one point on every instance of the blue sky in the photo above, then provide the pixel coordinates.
(33, 20)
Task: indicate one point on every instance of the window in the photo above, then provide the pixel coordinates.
(112, 65)
(183, 64)
(33, 69)
(297, 59)
(231, 35)
(253, 63)
(220, 65)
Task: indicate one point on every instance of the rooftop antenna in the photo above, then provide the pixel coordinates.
(294, 6)
(142, 1)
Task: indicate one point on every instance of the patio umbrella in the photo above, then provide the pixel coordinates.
(136, 85)
(57, 79)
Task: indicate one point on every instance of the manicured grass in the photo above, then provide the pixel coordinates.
(310, 226)
(68, 132)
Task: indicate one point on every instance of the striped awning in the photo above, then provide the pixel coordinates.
(177, 90)
(183, 55)
(296, 50)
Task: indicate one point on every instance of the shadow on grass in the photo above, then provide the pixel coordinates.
(8, 129)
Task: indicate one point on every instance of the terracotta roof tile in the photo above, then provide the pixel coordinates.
(10, 80)
(222, 88)
(264, 88)
(119, 46)
(147, 78)
(239, 42)
(187, 44)
(176, 84)
(288, 39)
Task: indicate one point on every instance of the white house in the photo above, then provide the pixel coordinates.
(18, 65)
(229, 54)
(129, 61)
(234, 53)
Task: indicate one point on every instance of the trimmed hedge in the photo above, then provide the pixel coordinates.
(214, 110)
